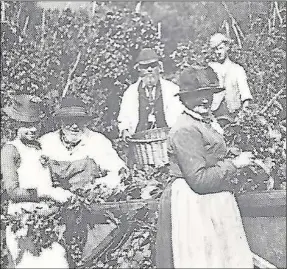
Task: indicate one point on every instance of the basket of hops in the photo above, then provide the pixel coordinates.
(150, 147)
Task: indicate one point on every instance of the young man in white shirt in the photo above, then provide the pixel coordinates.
(232, 77)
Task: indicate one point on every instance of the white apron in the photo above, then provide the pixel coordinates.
(207, 231)
(31, 174)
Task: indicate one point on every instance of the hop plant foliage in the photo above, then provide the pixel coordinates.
(38, 57)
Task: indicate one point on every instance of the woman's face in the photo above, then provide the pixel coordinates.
(73, 128)
(203, 107)
(149, 73)
(200, 104)
(29, 131)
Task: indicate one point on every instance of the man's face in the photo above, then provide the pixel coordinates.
(29, 131)
(221, 52)
(149, 73)
(73, 128)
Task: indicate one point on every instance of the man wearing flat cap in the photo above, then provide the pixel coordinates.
(150, 102)
(199, 223)
(232, 78)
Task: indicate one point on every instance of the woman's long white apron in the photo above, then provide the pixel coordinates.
(206, 230)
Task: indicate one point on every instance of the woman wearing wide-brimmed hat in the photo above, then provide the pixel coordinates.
(199, 222)
(28, 185)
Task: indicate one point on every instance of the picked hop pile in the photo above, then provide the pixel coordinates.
(265, 138)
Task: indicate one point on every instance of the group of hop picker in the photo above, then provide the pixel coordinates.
(199, 224)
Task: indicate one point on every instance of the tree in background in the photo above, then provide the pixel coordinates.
(56, 52)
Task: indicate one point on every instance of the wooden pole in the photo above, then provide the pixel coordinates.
(271, 101)
(69, 80)
(138, 7)
(43, 28)
(26, 25)
(278, 12)
(18, 14)
(159, 30)
(94, 8)
(3, 15)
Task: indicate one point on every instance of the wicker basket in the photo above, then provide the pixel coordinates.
(149, 147)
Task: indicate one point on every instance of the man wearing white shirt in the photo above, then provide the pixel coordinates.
(80, 158)
(232, 77)
(151, 102)
(74, 142)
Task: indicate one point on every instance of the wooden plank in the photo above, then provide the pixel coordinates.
(266, 237)
(262, 263)
(256, 204)
(126, 206)
(263, 199)
(263, 204)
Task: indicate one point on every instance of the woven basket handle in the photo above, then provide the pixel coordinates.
(132, 140)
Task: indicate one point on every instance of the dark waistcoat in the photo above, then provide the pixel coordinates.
(147, 107)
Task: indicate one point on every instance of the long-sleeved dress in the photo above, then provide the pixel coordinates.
(21, 170)
(199, 222)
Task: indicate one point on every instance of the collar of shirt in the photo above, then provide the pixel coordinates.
(71, 145)
(209, 120)
(31, 143)
(150, 92)
(197, 116)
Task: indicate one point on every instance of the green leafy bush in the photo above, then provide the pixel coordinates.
(42, 62)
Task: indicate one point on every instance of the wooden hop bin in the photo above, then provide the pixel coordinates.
(263, 215)
(149, 147)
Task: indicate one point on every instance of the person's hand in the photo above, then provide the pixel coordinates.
(44, 160)
(126, 134)
(56, 194)
(234, 151)
(243, 159)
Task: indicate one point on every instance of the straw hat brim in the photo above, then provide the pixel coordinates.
(146, 62)
(14, 114)
(65, 116)
(203, 90)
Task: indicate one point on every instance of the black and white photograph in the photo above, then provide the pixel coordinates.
(143, 134)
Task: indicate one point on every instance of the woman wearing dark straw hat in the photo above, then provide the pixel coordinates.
(199, 222)
(28, 184)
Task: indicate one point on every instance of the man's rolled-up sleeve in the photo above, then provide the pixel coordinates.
(243, 85)
(111, 162)
(125, 113)
(108, 160)
(189, 148)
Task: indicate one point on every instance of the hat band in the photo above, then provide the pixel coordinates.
(72, 111)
